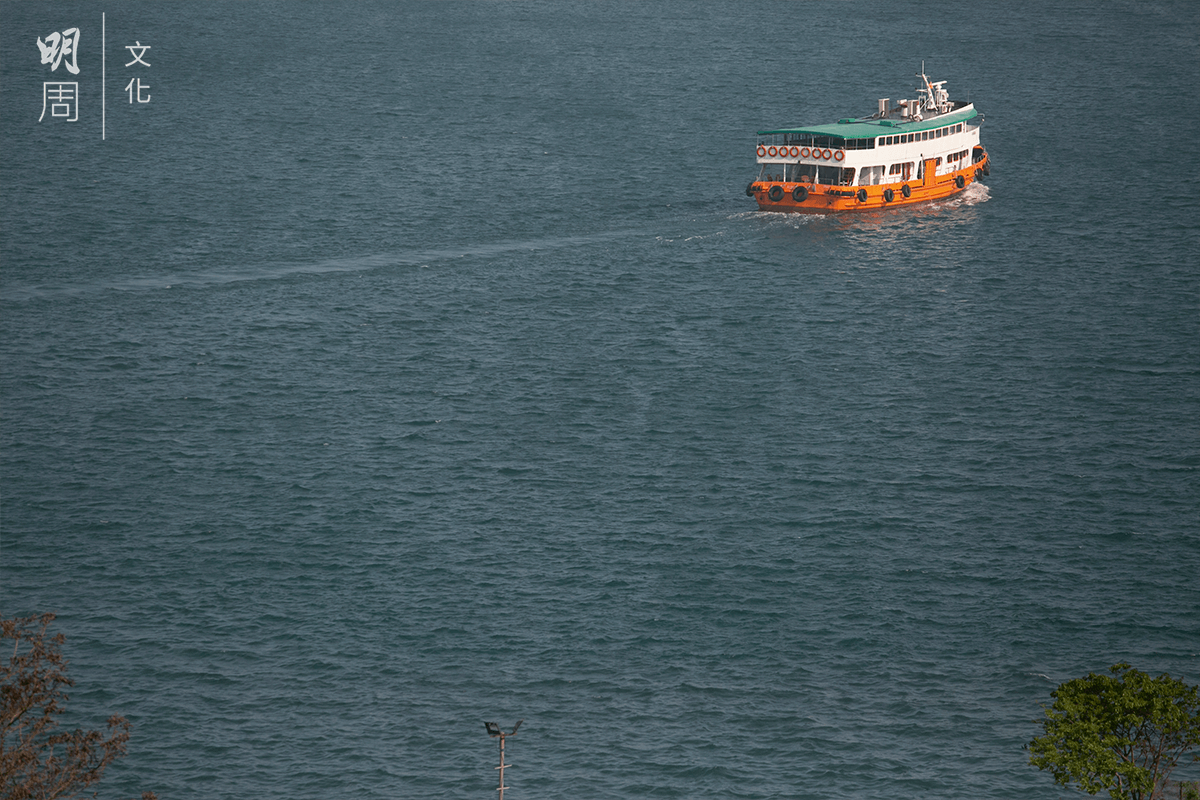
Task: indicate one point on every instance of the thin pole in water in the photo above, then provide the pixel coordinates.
(494, 731)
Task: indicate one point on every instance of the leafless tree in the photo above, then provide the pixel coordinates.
(38, 760)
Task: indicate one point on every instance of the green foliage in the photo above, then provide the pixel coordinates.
(1123, 732)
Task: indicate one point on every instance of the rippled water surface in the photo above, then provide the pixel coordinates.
(402, 366)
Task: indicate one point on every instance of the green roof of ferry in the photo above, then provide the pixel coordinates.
(866, 129)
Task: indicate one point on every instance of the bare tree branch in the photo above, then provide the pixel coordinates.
(38, 761)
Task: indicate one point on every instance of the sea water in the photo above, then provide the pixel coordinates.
(396, 367)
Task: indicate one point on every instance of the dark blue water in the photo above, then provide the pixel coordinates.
(404, 366)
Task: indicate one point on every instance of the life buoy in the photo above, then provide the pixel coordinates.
(762, 151)
(840, 155)
(772, 151)
(959, 182)
(905, 190)
(750, 189)
(862, 195)
(828, 154)
(804, 152)
(794, 152)
(889, 195)
(776, 194)
(800, 194)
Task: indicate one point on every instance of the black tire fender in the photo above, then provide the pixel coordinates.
(800, 194)
(906, 190)
(776, 194)
(862, 195)
(959, 181)
(750, 189)
(889, 195)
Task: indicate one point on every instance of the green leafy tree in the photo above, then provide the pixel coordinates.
(1122, 732)
(38, 761)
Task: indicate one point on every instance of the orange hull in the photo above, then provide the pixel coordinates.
(821, 199)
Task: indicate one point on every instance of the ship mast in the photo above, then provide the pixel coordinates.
(936, 98)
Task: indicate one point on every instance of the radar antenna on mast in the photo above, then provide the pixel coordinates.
(935, 97)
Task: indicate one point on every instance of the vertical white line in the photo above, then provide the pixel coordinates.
(103, 81)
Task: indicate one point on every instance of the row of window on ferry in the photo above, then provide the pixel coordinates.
(837, 143)
(905, 138)
(844, 176)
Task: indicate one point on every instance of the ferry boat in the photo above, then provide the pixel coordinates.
(910, 152)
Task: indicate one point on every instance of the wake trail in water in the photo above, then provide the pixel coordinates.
(277, 271)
